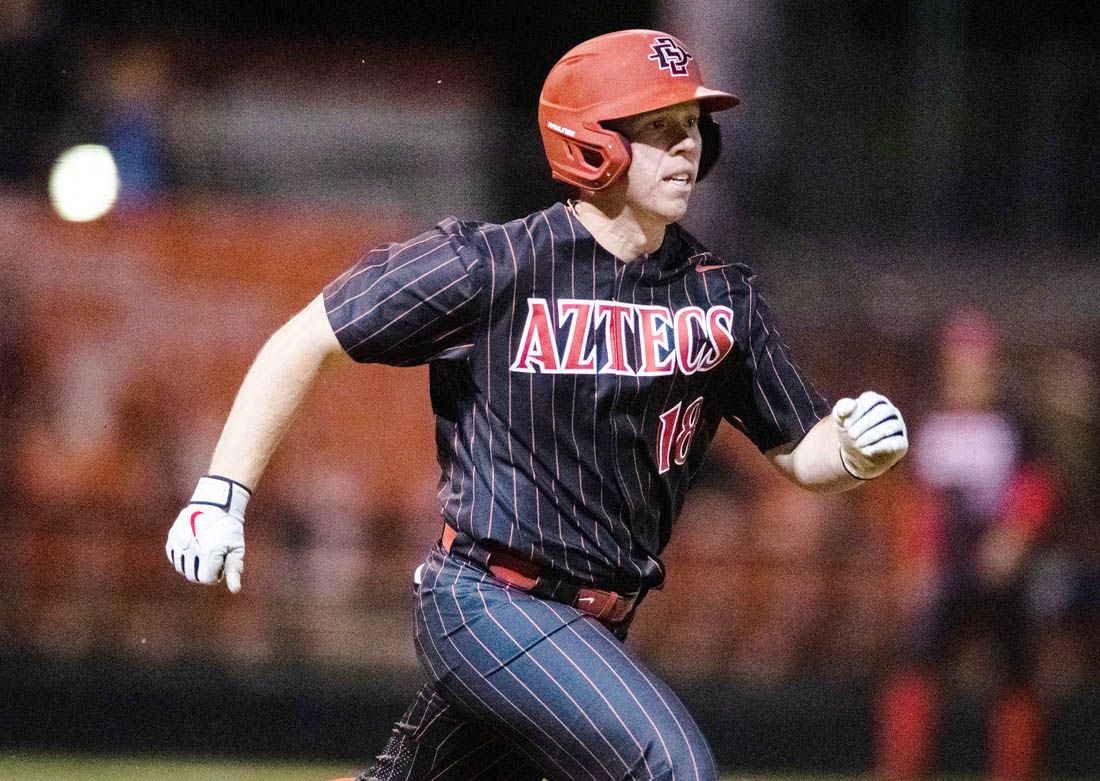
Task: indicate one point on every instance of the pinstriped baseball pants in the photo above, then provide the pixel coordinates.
(523, 688)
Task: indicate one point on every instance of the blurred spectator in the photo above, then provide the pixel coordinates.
(984, 500)
(137, 82)
(36, 87)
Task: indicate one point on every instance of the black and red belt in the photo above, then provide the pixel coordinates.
(608, 606)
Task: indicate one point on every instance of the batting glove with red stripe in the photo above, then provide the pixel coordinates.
(206, 543)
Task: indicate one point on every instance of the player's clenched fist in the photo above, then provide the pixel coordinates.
(872, 434)
(206, 542)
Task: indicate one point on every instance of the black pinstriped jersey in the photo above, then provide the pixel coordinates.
(574, 393)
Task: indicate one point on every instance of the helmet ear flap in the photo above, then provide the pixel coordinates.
(591, 158)
(711, 134)
(619, 151)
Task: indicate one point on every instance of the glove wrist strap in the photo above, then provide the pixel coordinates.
(222, 492)
(848, 469)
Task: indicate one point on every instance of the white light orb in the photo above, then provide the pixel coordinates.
(84, 183)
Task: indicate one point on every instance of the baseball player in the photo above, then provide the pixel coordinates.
(581, 359)
(986, 497)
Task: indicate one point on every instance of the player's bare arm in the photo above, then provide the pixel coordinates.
(273, 390)
(862, 439)
(206, 543)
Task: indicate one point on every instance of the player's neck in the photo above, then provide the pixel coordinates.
(623, 233)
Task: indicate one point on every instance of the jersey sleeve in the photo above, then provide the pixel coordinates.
(409, 303)
(767, 396)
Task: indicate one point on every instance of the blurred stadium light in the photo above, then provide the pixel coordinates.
(84, 183)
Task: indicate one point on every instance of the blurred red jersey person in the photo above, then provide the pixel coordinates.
(985, 499)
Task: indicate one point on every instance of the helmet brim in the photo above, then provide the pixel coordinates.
(711, 100)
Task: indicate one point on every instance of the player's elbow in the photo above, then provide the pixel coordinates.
(308, 336)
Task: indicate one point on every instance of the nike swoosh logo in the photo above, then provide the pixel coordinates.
(701, 268)
(586, 600)
(194, 515)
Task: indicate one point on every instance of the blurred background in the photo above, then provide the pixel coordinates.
(917, 185)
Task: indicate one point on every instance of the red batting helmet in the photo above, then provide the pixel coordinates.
(613, 76)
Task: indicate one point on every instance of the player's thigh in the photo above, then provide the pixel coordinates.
(557, 683)
(939, 623)
(437, 741)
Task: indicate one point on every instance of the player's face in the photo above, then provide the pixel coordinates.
(665, 147)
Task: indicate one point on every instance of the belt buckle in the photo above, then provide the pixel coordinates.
(603, 605)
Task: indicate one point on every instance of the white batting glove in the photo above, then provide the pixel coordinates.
(206, 543)
(872, 434)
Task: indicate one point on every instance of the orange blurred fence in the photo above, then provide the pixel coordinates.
(124, 341)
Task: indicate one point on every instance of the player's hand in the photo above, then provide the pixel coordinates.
(206, 543)
(872, 434)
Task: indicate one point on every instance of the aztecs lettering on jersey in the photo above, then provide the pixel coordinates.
(637, 340)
